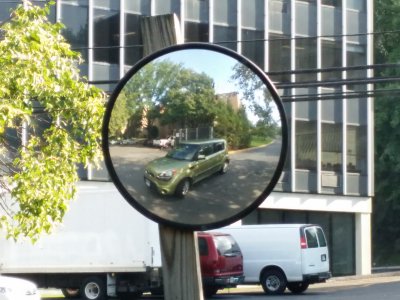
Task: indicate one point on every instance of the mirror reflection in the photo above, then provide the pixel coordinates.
(195, 136)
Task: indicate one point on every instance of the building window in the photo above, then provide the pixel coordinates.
(279, 57)
(306, 21)
(74, 15)
(306, 145)
(331, 58)
(356, 149)
(167, 7)
(332, 20)
(336, 3)
(356, 56)
(306, 58)
(197, 21)
(253, 31)
(357, 4)
(134, 10)
(331, 156)
(225, 20)
(342, 244)
(106, 35)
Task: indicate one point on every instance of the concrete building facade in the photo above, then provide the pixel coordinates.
(309, 48)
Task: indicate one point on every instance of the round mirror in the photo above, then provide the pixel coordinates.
(195, 136)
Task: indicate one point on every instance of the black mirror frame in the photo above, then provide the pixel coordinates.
(105, 134)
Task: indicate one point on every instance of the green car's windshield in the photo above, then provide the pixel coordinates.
(184, 152)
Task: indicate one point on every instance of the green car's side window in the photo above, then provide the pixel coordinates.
(206, 150)
(219, 147)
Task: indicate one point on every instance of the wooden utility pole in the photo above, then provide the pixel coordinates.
(179, 249)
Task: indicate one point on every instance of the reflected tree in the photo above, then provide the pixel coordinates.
(257, 99)
(170, 94)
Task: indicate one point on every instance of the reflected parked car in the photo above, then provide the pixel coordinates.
(188, 163)
(17, 289)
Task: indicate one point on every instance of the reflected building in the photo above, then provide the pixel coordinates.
(306, 47)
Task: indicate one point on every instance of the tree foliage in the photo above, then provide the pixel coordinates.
(386, 221)
(257, 97)
(170, 94)
(41, 90)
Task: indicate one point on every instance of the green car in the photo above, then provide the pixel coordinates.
(185, 165)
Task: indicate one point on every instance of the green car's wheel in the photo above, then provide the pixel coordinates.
(183, 188)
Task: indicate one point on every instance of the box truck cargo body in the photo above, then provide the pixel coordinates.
(281, 256)
(104, 246)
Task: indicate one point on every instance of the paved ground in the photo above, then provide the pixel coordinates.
(341, 281)
(332, 283)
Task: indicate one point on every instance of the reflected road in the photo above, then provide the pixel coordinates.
(214, 199)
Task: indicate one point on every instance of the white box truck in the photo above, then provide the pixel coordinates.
(104, 247)
(281, 256)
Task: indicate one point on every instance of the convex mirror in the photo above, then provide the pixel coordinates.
(195, 136)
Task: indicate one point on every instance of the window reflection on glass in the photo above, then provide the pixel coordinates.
(356, 150)
(134, 10)
(342, 244)
(279, 58)
(306, 58)
(197, 21)
(74, 15)
(331, 57)
(196, 32)
(5, 9)
(167, 7)
(225, 20)
(133, 38)
(356, 57)
(336, 3)
(106, 35)
(307, 18)
(225, 36)
(253, 46)
(306, 145)
(331, 159)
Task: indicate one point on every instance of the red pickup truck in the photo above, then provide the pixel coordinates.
(221, 261)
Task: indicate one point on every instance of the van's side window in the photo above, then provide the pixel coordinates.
(321, 238)
(203, 247)
(312, 240)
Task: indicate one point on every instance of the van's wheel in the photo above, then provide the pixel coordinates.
(183, 188)
(273, 282)
(297, 287)
(224, 167)
(93, 288)
(70, 293)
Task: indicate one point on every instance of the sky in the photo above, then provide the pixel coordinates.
(216, 65)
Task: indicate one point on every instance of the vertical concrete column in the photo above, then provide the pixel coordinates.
(363, 243)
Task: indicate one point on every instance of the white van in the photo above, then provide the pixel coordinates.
(282, 255)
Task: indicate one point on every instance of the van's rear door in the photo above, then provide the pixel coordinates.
(314, 248)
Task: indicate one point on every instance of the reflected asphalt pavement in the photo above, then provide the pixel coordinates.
(215, 198)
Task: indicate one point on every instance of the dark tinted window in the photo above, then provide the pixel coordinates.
(206, 150)
(203, 247)
(219, 146)
(321, 237)
(226, 245)
(312, 240)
